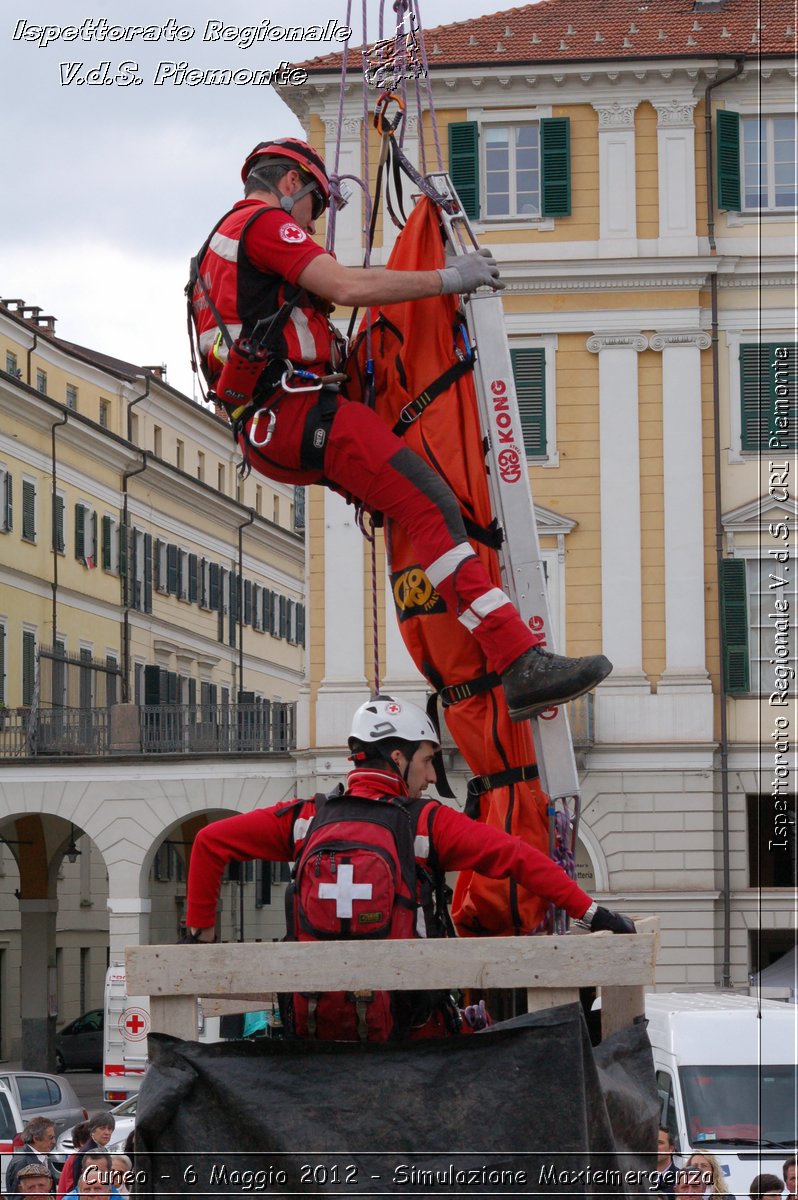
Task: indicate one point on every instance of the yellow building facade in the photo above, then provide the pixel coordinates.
(656, 294)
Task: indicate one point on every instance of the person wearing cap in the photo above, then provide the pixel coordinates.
(35, 1180)
(393, 746)
(261, 281)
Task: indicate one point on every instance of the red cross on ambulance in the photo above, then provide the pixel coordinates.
(344, 891)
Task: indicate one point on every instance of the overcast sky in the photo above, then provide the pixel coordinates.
(108, 189)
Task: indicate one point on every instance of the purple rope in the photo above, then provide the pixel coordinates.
(430, 102)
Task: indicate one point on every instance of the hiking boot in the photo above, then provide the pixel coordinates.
(539, 680)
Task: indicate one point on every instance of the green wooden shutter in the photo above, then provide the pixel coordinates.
(106, 550)
(555, 166)
(171, 569)
(734, 626)
(148, 573)
(768, 396)
(94, 539)
(728, 151)
(464, 164)
(123, 540)
(28, 666)
(8, 502)
(58, 523)
(529, 372)
(193, 578)
(28, 510)
(300, 624)
(3, 665)
(80, 532)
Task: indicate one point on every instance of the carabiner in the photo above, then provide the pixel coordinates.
(259, 442)
(379, 113)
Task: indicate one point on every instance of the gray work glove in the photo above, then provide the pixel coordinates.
(464, 273)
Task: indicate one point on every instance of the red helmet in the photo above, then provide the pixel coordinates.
(300, 152)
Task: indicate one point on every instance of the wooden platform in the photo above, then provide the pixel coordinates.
(235, 977)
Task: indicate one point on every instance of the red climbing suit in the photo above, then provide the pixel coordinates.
(318, 438)
(413, 345)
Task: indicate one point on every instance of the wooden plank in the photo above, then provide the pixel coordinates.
(215, 1006)
(176, 1015)
(620, 1006)
(539, 998)
(237, 969)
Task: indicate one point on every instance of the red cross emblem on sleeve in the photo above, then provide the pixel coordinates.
(344, 891)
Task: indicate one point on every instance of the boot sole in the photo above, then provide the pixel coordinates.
(534, 710)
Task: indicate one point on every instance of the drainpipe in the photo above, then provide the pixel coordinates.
(125, 582)
(30, 356)
(58, 424)
(725, 979)
(241, 529)
(136, 400)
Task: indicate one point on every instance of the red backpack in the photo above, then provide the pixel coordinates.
(357, 875)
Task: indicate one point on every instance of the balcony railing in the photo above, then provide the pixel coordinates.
(217, 728)
(163, 729)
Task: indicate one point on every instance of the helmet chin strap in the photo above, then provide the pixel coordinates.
(287, 202)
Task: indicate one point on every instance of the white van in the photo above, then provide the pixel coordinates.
(726, 1076)
(125, 1029)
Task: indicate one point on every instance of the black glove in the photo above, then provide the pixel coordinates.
(194, 937)
(603, 918)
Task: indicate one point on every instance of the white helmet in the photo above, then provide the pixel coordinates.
(383, 718)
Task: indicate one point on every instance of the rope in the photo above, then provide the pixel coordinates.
(371, 537)
(430, 101)
(330, 240)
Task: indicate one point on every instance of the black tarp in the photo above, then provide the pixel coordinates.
(525, 1108)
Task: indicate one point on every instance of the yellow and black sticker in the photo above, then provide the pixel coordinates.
(414, 595)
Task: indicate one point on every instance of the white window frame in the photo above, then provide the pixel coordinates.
(756, 216)
(766, 120)
(484, 119)
(89, 539)
(182, 573)
(71, 393)
(41, 377)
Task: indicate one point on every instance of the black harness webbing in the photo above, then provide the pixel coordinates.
(317, 430)
(454, 693)
(413, 410)
(479, 784)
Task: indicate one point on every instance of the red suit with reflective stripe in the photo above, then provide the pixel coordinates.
(250, 260)
(275, 834)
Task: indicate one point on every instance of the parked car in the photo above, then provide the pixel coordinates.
(40, 1095)
(125, 1116)
(10, 1125)
(80, 1043)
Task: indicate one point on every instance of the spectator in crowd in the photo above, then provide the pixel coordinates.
(765, 1187)
(121, 1166)
(789, 1173)
(666, 1168)
(35, 1180)
(38, 1137)
(702, 1176)
(97, 1165)
(101, 1128)
(80, 1136)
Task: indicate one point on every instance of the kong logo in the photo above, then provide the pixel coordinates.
(509, 461)
(414, 595)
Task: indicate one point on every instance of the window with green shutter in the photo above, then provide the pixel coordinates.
(28, 510)
(28, 666)
(464, 164)
(728, 155)
(7, 501)
(58, 523)
(529, 373)
(734, 626)
(769, 396)
(107, 546)
(555, 166)
(80, 532)
(3, 665)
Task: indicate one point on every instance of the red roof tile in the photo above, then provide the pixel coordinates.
(575, 30)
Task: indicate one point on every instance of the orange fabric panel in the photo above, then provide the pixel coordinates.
(412, 345)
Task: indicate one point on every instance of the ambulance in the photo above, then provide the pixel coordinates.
(125, 1030)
